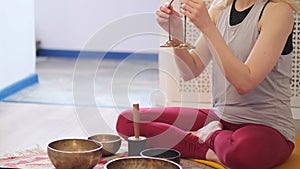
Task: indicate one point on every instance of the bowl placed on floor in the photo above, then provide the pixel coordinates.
(169, 154)
(74, 153)
(111, 143)
(138, 162)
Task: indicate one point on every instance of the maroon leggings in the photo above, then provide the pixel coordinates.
(246, 146)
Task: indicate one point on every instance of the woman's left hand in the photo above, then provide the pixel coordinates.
(197, 12)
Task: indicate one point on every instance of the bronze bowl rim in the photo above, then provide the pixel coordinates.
(141, 157)
(163, 150)
(111, 141)
(99, 148)
(155, 152)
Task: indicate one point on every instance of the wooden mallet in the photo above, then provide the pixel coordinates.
(136, 120)
(136, 143)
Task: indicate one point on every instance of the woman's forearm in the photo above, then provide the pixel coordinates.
(189, 64)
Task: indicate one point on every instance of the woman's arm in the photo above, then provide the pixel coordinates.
(275, 26)
(192, 63)
(186, 62)
(189, 62)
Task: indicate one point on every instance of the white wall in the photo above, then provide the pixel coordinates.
(17, 42)
(69, 24)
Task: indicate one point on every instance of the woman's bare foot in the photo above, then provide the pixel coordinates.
(205, 131)
(211, 156)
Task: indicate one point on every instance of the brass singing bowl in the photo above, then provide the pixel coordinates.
(168, 154)
(111, 143)
(138, 162)
(74, 153)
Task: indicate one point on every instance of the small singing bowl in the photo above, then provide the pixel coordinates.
(138, 162)
(74, 153)
(168, 154)
(111, 143)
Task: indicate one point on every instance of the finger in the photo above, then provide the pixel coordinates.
(175, 13)
(186, 13)
(162, 14)
(167, 5)
(170, 7)
(187, 8)
(165, 9)
(191, 2)
(161, 20)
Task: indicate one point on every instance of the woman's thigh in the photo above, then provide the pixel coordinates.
(251, 146)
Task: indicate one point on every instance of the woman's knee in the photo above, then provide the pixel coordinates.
(123, 122)
(262, 148)
(245, 157)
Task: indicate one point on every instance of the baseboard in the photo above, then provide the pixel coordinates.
(94, 54)
(18, 86)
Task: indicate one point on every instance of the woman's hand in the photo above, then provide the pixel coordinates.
(163, 14)
(197, 12)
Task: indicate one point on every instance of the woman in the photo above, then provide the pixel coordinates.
(250, 125)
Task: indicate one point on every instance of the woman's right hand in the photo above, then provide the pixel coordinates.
(163, 14)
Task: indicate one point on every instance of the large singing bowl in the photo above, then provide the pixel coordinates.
(74, 153)
(138, 162)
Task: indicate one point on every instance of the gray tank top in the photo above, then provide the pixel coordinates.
(269, 102)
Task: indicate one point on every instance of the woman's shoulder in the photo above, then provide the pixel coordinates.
(278, 11)
(277, 16)
(278, 7)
